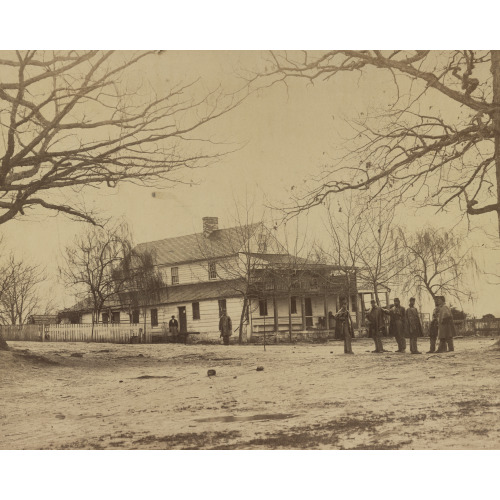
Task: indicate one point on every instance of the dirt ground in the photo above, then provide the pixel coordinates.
(308, 396)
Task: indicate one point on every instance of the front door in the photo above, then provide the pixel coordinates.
(182, 320)
(309, 311)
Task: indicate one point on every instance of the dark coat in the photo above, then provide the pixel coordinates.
(225, 326)
(413, 322)
(397, 326)
(376, 322)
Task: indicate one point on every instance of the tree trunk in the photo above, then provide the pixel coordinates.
(242, 319)
(3, 344)
(495, 70)
(93, 322)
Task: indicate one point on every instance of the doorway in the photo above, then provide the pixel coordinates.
(309, 311)
(182, 320)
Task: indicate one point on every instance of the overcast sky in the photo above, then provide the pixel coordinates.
(283, 135)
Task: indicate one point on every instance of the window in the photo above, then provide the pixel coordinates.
(314, 283)
(105, 317)
(196, 310)
(115, 317)
(222, 306)
(212, 271)
(262, 243)
(175, 275)
(354, 303)
(154, 317)
(293, 305)
(135, 316)
(263, 307)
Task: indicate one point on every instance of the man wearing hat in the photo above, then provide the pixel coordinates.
(446, 327)
(375, 319)
(173, 328)
(344, 318)
(414, 326)
(397, 326)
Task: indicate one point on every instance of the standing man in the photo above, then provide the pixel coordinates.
(225, 327)
(397, 326)
(433, 327)
(345, 326)
(414, 326)
(375, 318)
(173, 328)
(446, 327)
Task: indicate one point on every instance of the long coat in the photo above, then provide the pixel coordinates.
(376, 323)
(446, 327)
(413, 322)
(225, 326)
(397, 326)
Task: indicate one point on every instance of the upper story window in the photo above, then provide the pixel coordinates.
(174, 272)
(262, 243)
(212, 271)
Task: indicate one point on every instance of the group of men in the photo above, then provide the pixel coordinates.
(406, 322)
(403, 322)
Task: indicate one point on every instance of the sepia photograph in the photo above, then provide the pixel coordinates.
(249, 250)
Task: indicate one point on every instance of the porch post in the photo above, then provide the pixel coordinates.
(275, 307)
(387, 299)
(325, 303)
(303, 310)
(290, 315)
(358, 310)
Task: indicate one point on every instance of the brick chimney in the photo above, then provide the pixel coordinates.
(210, 224)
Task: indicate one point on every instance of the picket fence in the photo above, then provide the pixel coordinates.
(112, 333)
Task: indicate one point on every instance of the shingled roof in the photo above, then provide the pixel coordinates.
(193, 247)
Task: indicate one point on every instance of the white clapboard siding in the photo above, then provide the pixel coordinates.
(197, 272)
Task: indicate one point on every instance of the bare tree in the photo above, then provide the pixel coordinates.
(363, 239)
(5, 281)
(21, 294)
(74, 119)
(93, 265)
(139, 281)
(438, 263)
(437, 141)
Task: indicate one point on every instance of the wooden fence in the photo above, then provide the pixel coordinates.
(112, 333)
(478, 326)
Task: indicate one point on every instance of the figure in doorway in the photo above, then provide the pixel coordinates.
(173, 328)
